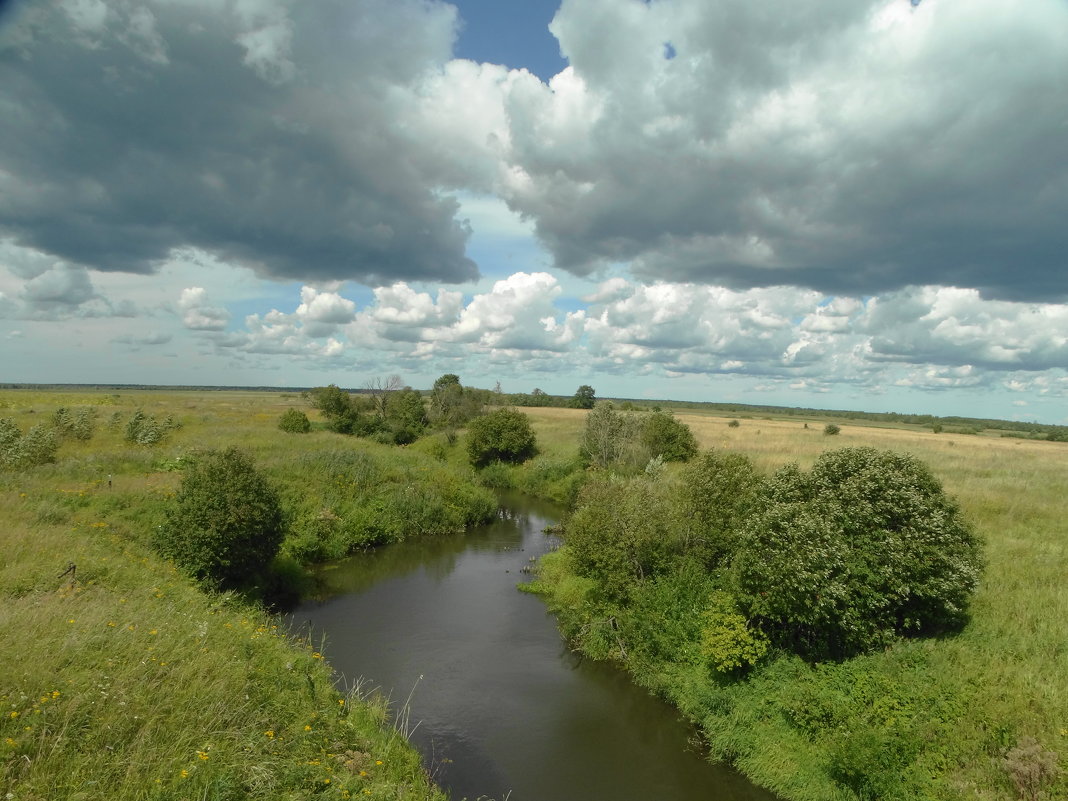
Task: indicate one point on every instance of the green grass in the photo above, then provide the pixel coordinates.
(130, 683)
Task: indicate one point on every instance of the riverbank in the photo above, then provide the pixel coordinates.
(967, 716)
(121, 680)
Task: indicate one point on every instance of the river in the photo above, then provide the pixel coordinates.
(501, 708)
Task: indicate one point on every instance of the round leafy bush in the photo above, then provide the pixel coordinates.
(831, 429)
(666, 437)
(865, 547)
(501, 436)
(226, 523)
(294, 421)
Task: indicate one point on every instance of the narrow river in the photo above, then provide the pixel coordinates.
(502, 708)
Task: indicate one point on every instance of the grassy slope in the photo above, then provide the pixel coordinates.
(972, 695)
(131, 684)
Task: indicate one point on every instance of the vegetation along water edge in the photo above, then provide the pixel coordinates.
(937, 673)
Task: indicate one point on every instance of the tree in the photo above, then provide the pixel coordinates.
(226, 524)
(584, 398)
(831, 430)
(406, 415)
(504, 435)
(604, 434)
(334, 403)
(865, 547)
(381, 390)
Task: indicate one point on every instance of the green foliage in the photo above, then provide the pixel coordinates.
(226, 524)
(17, 450)
(142, 429)
(584, 398)
(504, 435)
(831, 430)
(865, 547)
(452, 404)
(621, 534)
(664, 436)
(718, 491)
(728, 643)
(294, 421)
(605, 435)
(733, 424)
(74, 424)
(332, 401)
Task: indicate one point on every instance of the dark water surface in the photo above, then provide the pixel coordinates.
(503, 709)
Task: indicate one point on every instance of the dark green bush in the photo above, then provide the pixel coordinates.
(294, 421)
(865, 547)
(225, 525)
(504, 435)
(664, 436)
(831, 430)
(621, 534)
(719, 490)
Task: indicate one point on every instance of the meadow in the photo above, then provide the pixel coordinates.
(127, 682)
(978, 708)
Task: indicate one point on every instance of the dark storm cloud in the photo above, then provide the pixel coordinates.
(263, 132)
(851, 147)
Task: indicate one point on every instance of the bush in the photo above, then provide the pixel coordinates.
(621, 534)
(37, 446)
(294, 421)
(226, 524)
(664, 436)
(831, 430)
(865, 547)
(718, 491)
(727, 641)
(504, 435)
(143, 430)
(733, 424)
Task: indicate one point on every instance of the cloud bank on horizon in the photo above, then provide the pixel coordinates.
(839, 194)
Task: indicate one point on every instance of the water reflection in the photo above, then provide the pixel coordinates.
(503, 707)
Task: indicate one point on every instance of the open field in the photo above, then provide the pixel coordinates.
(1006, 671)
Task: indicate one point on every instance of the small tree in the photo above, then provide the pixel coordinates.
(226, 523)
(294, 421)
(504, 435)
(603, 437)
(831, 430)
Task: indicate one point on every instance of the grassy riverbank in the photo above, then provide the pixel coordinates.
(950, 718)
(130, 683)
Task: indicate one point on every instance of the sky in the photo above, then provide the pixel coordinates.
(847, 204)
